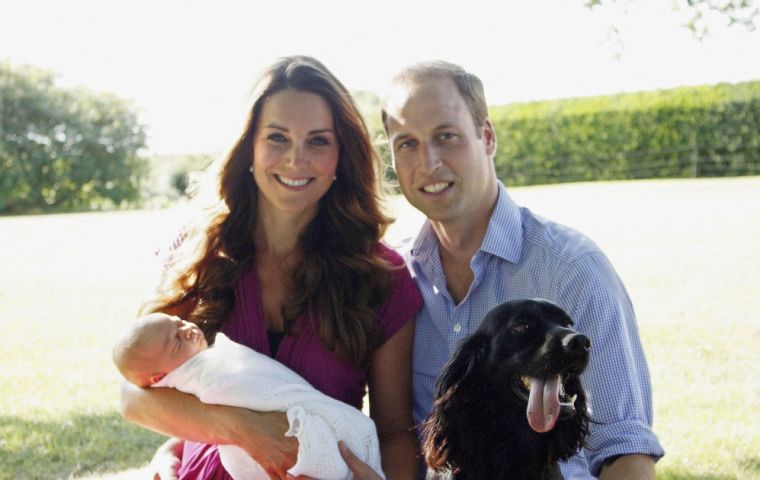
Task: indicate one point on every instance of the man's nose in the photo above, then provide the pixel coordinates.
(430, 159)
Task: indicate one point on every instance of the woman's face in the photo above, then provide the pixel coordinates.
(295, 152)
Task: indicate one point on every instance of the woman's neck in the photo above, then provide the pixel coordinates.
(276, 233)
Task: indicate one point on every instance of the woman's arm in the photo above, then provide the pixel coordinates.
(390, 402)
(173, 413)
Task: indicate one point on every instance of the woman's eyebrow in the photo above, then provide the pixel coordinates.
(320, 130)
(315, 131)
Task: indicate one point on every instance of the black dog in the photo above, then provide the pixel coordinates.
(509, 404)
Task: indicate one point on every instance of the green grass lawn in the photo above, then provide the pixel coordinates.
(688, 250)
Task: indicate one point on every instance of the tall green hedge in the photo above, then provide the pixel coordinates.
(683, 132)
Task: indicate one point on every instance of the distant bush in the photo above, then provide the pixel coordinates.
(65, 149)
(685, 132)
(170, 177)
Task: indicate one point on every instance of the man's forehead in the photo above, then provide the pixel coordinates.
(435, 102)
(437, 89)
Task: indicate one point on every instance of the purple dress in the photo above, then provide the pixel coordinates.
(303, 353)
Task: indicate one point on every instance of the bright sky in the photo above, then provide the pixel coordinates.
(189, 65)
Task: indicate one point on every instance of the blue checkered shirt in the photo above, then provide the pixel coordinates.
(526, 256)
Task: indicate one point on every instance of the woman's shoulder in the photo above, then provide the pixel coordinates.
(390, 255)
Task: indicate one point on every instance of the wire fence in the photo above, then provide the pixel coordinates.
(687, 161)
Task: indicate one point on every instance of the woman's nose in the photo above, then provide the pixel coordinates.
(296, 155)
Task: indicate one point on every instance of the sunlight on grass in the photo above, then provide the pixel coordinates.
(687, 250)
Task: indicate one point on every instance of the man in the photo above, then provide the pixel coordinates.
(478, 249)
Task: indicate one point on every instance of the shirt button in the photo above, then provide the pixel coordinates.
(457, 328)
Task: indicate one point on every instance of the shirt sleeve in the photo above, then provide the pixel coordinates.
(404, 301)
(617, 379)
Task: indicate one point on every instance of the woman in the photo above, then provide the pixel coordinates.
(290, 263)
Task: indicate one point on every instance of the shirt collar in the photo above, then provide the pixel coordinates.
(503, 237)
(504, 234)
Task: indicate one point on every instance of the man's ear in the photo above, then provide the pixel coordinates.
(489, 136)
(156, 377)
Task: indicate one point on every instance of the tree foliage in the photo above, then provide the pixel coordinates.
(741, 13)
(64, 149)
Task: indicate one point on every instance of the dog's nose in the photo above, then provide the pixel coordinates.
(577, 343)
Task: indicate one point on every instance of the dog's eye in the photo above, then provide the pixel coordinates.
(520, 328)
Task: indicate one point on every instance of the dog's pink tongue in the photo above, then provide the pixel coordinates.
(543, 404)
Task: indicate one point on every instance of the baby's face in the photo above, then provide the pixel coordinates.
(173, 341)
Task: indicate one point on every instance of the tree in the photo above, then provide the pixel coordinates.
(735, 12)
(65, 149)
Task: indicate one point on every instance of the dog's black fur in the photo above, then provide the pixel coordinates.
(478, 428)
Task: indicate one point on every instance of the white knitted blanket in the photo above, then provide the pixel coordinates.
(235, 375)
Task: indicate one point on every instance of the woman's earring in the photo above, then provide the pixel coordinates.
(335, 177)
(250, 169)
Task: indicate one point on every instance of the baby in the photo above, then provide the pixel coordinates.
(165, 351)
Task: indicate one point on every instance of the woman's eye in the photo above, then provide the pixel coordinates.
(318, 141)
(277, 137)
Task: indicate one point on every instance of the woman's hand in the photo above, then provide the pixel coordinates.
(177, 414)
(262, 436)
(361, 470)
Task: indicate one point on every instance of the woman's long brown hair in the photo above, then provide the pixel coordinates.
(342, 280)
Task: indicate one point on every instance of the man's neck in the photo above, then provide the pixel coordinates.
(457, 244)
(461, 238)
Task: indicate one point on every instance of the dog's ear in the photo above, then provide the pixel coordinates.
(466, 362)
(569, 436)
(444, 432)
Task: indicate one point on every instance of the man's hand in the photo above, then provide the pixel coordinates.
(361, 470)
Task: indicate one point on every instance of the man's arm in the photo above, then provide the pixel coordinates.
(617, 378)
(633, 467)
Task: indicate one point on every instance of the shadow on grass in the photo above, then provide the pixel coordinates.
(74, 446)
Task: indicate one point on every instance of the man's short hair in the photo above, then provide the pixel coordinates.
(468, 85)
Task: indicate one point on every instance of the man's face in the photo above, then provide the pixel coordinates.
(443, 161)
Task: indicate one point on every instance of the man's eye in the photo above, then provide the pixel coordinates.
(406, 144)
(446, 136)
